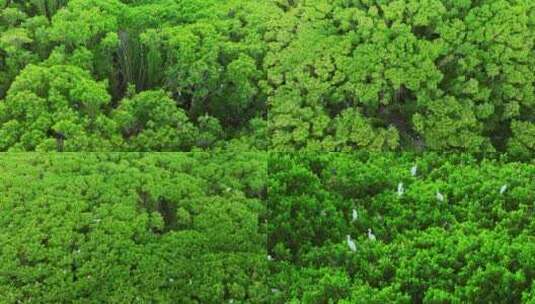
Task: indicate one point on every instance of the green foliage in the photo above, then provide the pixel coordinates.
(19, 34)
(207, 54)
(150, 121)
(522, 144)
(130, 227)
(85, 23)
(409, 75)
(212, 67)
(475, 245)
(55, 108)
(439, 74)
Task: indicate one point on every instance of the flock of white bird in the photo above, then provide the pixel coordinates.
(354, 217)
(400, 191)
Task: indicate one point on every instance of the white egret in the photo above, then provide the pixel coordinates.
(503, 189)
(414, 169)
(371, 236)
(270, 258)
(400, 189)
(355, 215)
(440, 197)
(351, 244)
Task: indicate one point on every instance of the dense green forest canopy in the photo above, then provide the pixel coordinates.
(323, 75)
(133, 228)
(434, 100)
(162, 75)
(443, 229)
(447, 75)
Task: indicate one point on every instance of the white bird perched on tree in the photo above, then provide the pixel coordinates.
(351, 244)
(355, 215)
(371, 236)
(270, 258)
(414, 169)
(503, 189)
(400, 189)
(440, 197)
